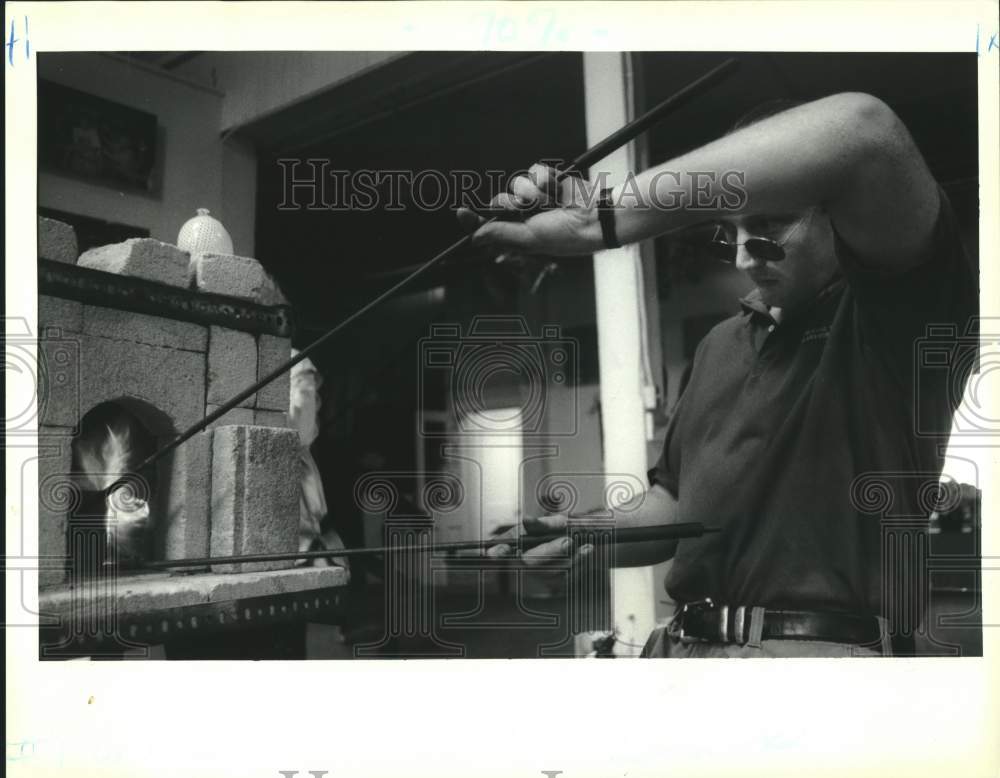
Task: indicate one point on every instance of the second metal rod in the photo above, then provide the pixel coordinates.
(661, 532)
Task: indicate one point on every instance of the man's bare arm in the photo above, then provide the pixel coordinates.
(848, 154)
(656, 506)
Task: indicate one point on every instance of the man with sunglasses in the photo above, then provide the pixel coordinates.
(854, 252)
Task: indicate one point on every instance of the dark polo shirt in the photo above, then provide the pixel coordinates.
(785, 431)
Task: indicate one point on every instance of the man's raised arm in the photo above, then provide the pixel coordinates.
(848, 153)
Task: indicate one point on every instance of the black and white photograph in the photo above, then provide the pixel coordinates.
(530, 348)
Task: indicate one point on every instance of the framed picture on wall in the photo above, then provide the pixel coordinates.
(94, 139)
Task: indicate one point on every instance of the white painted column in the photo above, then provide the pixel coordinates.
(619, 291)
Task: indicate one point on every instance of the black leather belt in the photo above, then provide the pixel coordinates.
(705, 621)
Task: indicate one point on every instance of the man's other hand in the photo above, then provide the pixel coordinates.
(553, 552)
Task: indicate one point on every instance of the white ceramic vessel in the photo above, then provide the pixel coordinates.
(204, 234)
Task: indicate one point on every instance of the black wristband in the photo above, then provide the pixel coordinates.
(606, 218)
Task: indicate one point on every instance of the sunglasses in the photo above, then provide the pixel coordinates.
(766, 249)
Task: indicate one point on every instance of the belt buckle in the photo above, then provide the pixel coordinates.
(701, 604)
(722, 625)
(739, 623)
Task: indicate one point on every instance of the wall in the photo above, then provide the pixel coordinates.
(192, 156)
(257, 83)
(239, 194)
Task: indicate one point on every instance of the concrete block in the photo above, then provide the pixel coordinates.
(187, 522)
(237, 415)
(57, 496)
(232, 365)
(59, 312)
(141, 328)
(53, 548)
(272, 352)
(59, 379)
(141, 258)
(168, 380)
(271, 295)
(255, 494)
(229, 275)
(271, 419)
(56, 241)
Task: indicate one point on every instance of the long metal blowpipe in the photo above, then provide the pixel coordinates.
(655, 532)
(614, 141)
(627, 133)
